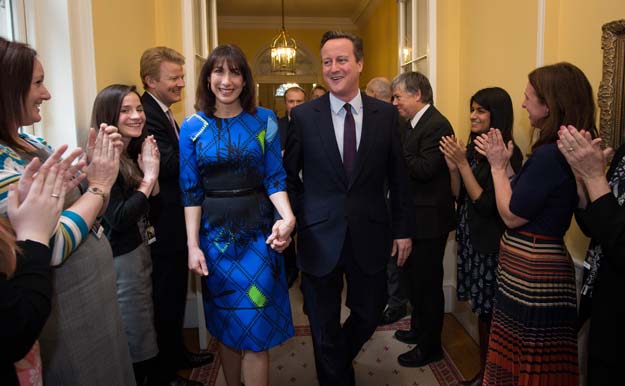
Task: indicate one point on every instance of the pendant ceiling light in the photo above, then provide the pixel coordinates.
(283, 51)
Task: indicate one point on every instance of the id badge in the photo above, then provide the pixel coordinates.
(150, 234)
(97, 229)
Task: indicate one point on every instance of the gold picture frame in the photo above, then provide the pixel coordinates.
(612, 86)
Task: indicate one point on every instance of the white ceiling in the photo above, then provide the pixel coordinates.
(350, 9)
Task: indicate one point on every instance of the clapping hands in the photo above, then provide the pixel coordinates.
(149, 159)
(34, 213)
(103, 157)
(454, 151)
(492, 146)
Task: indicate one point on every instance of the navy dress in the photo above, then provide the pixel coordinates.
(229, 167)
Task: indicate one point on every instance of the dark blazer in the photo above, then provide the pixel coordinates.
(482, 215)
(429, 174)
(170, 226)
(283, 127)
(604, 221)
(328, 204)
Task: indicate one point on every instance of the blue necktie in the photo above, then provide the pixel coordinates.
(349, 140)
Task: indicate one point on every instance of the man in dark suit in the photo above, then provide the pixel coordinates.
(346, 144)
(162, 74)
(397, 303)
(412, 95)
(293, 96)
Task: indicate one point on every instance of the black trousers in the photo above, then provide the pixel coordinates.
(336, 346)
(424, 276)
(169, 288)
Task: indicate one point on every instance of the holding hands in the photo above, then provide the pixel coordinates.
(280, 237)
(492, 146)
(34, 213)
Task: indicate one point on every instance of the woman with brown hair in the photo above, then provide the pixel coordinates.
(533, 338)
(232, 179)
(84, 330)
(128, 219)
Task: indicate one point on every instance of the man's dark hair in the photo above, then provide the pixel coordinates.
(356, 41)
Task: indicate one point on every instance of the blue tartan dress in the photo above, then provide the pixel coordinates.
(229, 167)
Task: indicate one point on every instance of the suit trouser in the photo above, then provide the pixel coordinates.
(169, 286)
(336, 346)
(397, 294)
(424, 275)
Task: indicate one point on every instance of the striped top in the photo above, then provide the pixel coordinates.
(71, 228)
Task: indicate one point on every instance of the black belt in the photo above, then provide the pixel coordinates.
(233, 192)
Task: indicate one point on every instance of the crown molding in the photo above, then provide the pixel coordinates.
(274, 22)
(363, 11)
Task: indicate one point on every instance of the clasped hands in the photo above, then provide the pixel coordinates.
(280, 236)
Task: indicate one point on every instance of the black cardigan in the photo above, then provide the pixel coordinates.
(604, 221)
(24, 306)
(485, 224)
(126, 208)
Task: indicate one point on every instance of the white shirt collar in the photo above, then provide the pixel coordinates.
(418, 115)
(163, 106)
(337, 105)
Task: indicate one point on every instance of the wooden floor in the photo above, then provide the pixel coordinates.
(459, 345)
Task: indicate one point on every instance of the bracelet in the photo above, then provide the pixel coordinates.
(97, 192)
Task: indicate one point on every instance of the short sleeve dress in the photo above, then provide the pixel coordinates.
(229, 167)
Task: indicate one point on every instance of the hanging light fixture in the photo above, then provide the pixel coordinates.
(283, 51)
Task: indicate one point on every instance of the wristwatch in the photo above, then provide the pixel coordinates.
(97, 191)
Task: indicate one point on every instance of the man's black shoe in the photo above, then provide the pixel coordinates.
(392, 314)
(407, 336)
(192, 360)
(417, 358)
(180, 381)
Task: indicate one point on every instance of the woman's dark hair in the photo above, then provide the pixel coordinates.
(106, 109)
(566, 91)
(498, 103)
(16, 73)
(223, 55)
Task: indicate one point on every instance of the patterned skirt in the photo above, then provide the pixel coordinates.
(533, 340)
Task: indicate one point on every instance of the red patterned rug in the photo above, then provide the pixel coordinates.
(292, 363)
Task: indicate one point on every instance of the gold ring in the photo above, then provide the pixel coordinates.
(55, 195)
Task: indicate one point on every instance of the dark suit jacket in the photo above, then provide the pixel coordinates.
(328, 204)
(170, 227)
(283, 127)
(482, 215)
(429, 174)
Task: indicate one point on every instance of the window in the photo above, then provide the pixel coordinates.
(417, 37)
(6, 19)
